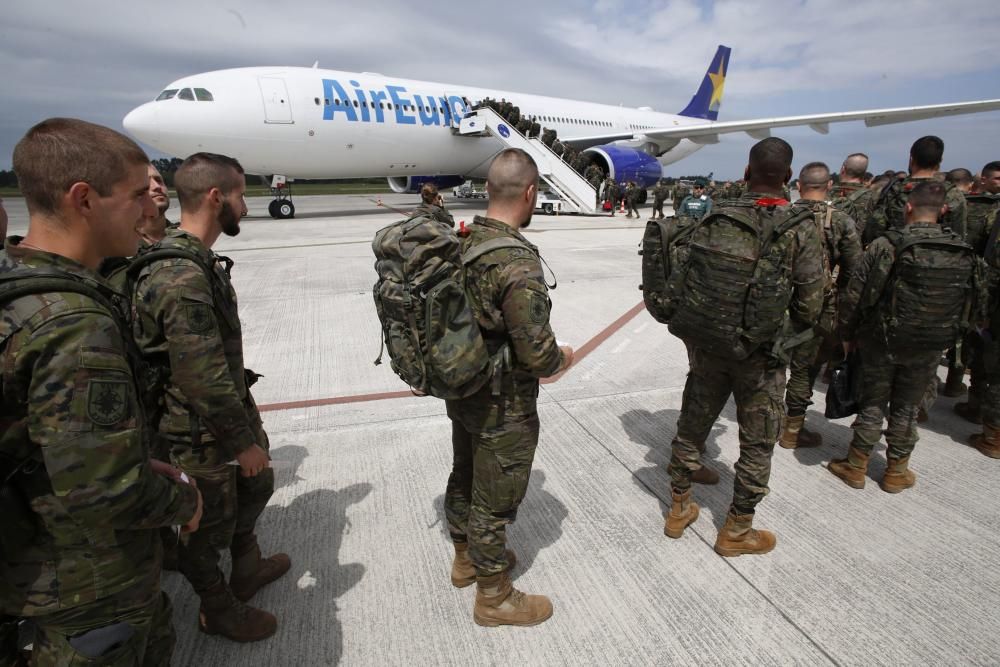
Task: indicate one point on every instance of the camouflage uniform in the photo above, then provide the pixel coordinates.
(660, 192)
(611, 192)
(631, 200)
(494, 437)
(85, 555)
(887, 211)
(757, 383)
(896, 379)
(982, 211)
(594, 176)
(436, 212)
(855, 200)
(843, 252)
(186, 322)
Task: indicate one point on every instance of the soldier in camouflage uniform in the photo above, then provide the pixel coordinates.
(850, 194)
(81, 498)
(631, 197)
(495, 431)
(595, 176)
(925, 161)
(660, 192)
(548, 137)
(757, 381)
(187, 318)
(842, 248)
(153, 228)
(895, 373)
(986, 374)
(982, 210)
(611, 193)
(432, 205)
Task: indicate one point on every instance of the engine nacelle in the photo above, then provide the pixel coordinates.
(627, 164)
(412, 184)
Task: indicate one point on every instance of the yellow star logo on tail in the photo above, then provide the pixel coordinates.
(718, 83)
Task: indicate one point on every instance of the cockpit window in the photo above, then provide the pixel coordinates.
(166, 94)
(203, 95)
(186, 94)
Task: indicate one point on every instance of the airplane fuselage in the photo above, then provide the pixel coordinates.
(314, 123)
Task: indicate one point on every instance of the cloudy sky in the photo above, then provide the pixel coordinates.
(99, 59)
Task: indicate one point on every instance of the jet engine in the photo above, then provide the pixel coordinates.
(627, 164)
(412, 184)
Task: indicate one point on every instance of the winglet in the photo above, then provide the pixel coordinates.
(705, 103)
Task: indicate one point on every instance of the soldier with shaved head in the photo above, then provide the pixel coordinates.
(851, 195)
(495, 431)
(842, 248)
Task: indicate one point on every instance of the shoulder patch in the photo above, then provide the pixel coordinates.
(107, 401)
(199, 317)
(539, 308)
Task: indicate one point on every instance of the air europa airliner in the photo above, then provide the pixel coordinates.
(301, 122)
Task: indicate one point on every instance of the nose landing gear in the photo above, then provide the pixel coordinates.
(282, 207)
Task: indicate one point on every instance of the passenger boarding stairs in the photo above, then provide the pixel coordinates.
(577, 194)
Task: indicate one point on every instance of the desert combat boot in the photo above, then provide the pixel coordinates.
(250, 571)
(851, 470)
(499, 603)
(794, 434)
(463, 572)
(683, 512)
(738, 537)
(987, 442)
(898, 476)
(222, 614)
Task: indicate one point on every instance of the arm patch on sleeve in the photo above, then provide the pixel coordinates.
(199, 317)
(107, 401)
(539, 308)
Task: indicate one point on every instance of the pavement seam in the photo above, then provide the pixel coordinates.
(728, 561)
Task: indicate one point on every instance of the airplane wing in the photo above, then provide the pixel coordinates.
(760, 128)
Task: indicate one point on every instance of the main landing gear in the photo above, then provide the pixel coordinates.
(282, 207)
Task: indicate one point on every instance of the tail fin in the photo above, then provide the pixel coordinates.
(705, 103)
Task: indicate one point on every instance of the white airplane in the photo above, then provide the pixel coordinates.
(298, 122)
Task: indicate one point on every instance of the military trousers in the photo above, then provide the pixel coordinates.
(133, 627)
(987, 390)
(632, 208)
(658, 208)
(893, 387)
(758, 385)
(803, 367)
(232, 504)
(494, 442)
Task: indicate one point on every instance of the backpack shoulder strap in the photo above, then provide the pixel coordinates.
(39, 281)
(486, 247)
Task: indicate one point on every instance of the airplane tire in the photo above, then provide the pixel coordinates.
(286, 210)
(272, 209)
(547, 209)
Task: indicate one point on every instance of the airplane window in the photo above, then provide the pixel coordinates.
(388, 105)
(316, 100)
(381, 105)
(355, 104)
(166, 94)
(203, 95)
(186, 94)
(326, 101)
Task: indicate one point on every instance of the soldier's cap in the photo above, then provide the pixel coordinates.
(699, 183)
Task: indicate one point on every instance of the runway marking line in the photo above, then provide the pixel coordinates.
(579, 356)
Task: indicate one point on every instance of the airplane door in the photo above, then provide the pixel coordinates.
(456, 108)
(277, 106)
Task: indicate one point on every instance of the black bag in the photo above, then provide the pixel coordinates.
(843, 397)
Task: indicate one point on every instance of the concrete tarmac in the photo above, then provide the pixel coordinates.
(858, 577)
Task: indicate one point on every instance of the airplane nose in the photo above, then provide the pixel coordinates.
(143, 123)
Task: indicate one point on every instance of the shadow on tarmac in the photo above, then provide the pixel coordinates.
(316, 571)
(538, 524)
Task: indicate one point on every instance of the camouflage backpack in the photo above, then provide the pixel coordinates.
(927, 300)
(980, 210)
(434, 341)
(664, 246)
(887, 212)
(852, 205)
(734, 288)
(17, 455)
